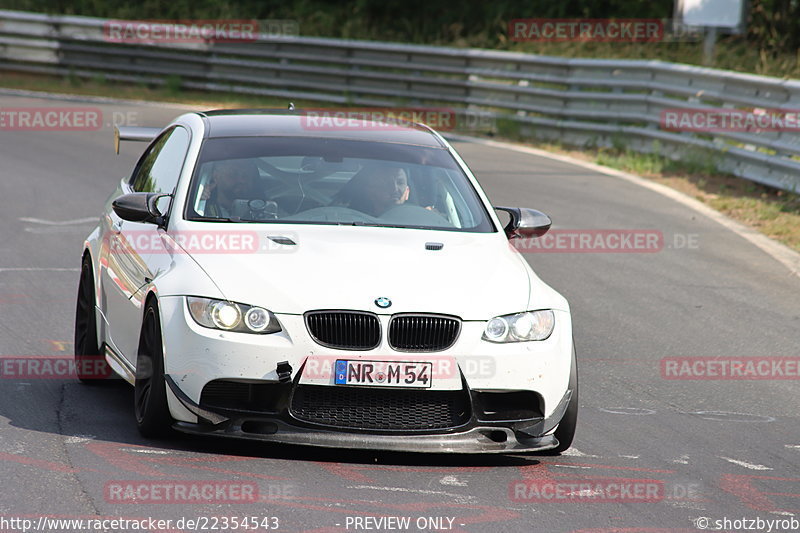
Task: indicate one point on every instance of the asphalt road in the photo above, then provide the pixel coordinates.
(714, 449)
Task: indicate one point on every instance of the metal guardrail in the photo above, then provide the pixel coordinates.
(575, 101)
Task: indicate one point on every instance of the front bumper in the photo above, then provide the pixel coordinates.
(196, 356)
(474, 436)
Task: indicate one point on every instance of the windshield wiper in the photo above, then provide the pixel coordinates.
(374, 224)
(217, 219)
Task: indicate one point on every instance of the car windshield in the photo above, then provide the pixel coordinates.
(328, 181)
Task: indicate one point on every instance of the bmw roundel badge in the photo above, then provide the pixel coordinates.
(383, 302)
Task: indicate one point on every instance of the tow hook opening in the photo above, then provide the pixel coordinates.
(261, 428)
(497, 436)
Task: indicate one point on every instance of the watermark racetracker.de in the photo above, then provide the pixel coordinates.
(21, 367)
(70, 119)
(148, 242)
(730, 120)
(730, 368)
(389, 118)
(51, 118)
(593, 241)
(632, 30)
(605, 241)
(597, 30)
(196, 31)
(181, 492)
(603, 490)
(594, 490)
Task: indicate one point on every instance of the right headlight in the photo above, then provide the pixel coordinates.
(520, 327)
(231, 316)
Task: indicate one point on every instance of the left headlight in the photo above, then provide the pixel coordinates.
(231, 316)
(520, 327)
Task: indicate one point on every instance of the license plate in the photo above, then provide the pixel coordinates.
(383, 373)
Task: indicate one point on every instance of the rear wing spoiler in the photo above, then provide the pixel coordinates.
(131, 133)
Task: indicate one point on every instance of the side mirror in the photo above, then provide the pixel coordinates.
(139, 207)
(525, 222)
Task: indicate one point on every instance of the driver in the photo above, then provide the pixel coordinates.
(234, 179)
(375, 189)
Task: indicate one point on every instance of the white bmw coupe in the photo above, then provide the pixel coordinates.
(342, 287)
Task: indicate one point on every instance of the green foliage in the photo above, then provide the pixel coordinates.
(695, 161)
(618, 142)
(507, 128)
(73, 79)
(770, 45)
(431, 21)
(791, 203)
(172, 85)
(627, 159)
(691, 162)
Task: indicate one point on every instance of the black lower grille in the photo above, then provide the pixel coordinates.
(240, 396)
(346, 330)
(222, 392)
(381, 409)
(423, 333)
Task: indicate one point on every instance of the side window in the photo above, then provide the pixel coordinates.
(161, 166)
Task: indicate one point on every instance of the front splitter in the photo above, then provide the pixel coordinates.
(474, 440)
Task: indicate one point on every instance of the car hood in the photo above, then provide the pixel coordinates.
(474, 275)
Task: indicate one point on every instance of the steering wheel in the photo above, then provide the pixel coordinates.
(291, 201)
(332, 213)
(414, 215)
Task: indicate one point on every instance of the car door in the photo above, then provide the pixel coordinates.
(130, 244)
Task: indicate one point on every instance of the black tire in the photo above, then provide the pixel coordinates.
(90, 365)
(150, 390)
(565, 432)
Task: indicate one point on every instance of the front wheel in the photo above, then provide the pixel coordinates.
(150, 390)
(90, 365)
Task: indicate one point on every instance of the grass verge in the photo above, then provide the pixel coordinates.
(773, 212)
